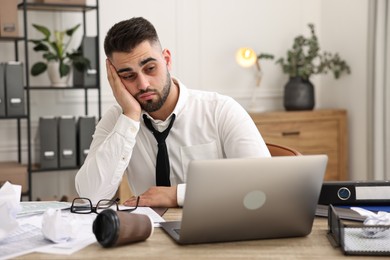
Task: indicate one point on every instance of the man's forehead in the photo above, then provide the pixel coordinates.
(132, 60)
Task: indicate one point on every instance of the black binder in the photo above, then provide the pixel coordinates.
(67, 141)
(48, 135)
(355, 193)
(14, 88)
(85, 130)
(2, 90)
(89, 50)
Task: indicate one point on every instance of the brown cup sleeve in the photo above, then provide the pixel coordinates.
(133, 228)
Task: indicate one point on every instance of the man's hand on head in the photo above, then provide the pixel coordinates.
(157, 196)
(130, 106)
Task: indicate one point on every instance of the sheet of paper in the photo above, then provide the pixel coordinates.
(39, 207)
(156, 218)
(28, 237)
(85, 237)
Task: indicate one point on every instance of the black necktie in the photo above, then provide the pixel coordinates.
(162, 163)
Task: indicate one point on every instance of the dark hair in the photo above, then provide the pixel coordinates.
(126, 35)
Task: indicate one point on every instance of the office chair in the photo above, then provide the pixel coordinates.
(281, 150)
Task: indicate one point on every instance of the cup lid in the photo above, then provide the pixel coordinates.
(106, 227)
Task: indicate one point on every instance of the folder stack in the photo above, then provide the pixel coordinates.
(65, 143)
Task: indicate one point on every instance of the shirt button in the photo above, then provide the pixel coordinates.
(133, 130)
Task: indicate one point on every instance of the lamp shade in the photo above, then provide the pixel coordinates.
(246, 57)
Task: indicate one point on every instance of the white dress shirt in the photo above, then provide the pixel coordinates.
(207, 126)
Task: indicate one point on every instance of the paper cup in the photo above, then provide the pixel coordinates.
(115, 228)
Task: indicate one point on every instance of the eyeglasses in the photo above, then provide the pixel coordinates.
(84, 206)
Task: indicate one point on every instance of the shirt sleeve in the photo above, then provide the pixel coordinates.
(181, 190)
(239, 134)
(108, 157)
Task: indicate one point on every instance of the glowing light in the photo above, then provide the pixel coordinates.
(246, 57)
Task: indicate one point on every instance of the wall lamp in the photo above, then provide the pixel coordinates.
(247, 57)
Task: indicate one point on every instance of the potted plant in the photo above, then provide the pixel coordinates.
(58, 58)
(303, 60)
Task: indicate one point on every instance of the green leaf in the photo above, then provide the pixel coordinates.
(265, 56)
(50, 56)
(41, 47)
(43, 30)
(70, 31)
(64, 69)
(38, 68)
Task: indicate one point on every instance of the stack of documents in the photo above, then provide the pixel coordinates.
(28, 236)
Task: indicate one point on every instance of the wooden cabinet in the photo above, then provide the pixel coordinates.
(310, 132)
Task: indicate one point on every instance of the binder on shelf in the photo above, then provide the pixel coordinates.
(2, 90)
(67, 141)
(355, 193)
(85, 130)
(89, 50)
(48, 136)
(9, 26)
(14, 88)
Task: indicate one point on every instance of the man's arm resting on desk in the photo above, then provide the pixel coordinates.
(166, 197)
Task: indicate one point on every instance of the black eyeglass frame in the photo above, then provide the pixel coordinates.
(88, 208)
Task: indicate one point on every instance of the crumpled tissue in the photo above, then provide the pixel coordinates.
(10, 195)
(372, 219)
(58, 228)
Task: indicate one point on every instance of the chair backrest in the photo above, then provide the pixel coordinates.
(281, 150)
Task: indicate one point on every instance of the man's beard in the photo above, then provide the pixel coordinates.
(152, 106)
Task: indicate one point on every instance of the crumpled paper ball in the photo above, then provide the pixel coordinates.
(373, 219)
(58, 228)
(9, 207)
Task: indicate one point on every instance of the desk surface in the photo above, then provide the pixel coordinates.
(160, 246)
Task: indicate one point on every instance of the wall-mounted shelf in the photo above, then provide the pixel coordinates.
(56, 7)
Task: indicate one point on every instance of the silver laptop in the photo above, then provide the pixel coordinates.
(252, 198)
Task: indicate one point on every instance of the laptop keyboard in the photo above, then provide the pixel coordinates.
(177, 230)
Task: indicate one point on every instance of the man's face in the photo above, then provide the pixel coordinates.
(145, 74)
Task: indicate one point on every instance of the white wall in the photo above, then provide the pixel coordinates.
(345, 30)
(203, 37)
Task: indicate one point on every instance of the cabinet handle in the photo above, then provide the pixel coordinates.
(291, 133)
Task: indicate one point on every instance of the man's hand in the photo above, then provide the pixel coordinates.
(130, 106)
(164, 197)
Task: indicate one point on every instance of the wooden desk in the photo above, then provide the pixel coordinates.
(160, 246)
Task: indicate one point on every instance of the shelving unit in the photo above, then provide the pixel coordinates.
(14, 170)
(25, 8)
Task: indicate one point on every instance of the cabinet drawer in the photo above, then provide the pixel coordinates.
(310, 132)
(310, 137)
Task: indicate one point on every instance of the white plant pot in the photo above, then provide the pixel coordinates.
(54, 75)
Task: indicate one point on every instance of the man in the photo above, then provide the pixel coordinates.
(204, 125)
